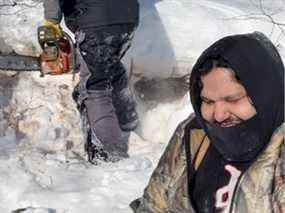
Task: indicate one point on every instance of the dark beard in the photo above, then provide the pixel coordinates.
(239, 143)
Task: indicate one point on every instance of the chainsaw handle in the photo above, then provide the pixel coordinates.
(72, 57)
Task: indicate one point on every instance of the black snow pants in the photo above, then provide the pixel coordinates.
(105, 101)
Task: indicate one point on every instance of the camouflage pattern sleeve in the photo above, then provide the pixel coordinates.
(166, 191)
(52, 11)
(279, 191)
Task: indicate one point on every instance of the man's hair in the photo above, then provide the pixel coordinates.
(206, 67)
(209, 65)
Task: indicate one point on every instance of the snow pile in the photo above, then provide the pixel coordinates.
(168, 33)
(19, 22)
(69, 184)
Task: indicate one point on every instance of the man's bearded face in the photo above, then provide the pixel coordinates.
(224, 99)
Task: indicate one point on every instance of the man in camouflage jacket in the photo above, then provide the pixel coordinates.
(217, 161)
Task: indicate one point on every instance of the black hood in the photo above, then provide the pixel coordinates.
(260, 70)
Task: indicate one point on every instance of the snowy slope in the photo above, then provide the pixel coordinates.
(50, 178)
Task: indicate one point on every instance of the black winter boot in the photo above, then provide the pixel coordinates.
(94, 153)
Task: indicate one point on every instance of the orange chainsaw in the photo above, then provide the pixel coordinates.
(57, 57)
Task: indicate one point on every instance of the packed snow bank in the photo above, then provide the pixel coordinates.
(174, 33)
(68, 183)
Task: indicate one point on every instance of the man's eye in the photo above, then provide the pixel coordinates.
(208, 102)
(234, 100)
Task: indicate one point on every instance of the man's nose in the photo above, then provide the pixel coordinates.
(221, 111)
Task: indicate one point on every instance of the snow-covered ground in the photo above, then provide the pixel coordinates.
(171, 35)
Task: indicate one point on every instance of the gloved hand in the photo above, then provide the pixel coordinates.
(55, 26)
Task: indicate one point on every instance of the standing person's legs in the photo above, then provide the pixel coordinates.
(101, 53)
